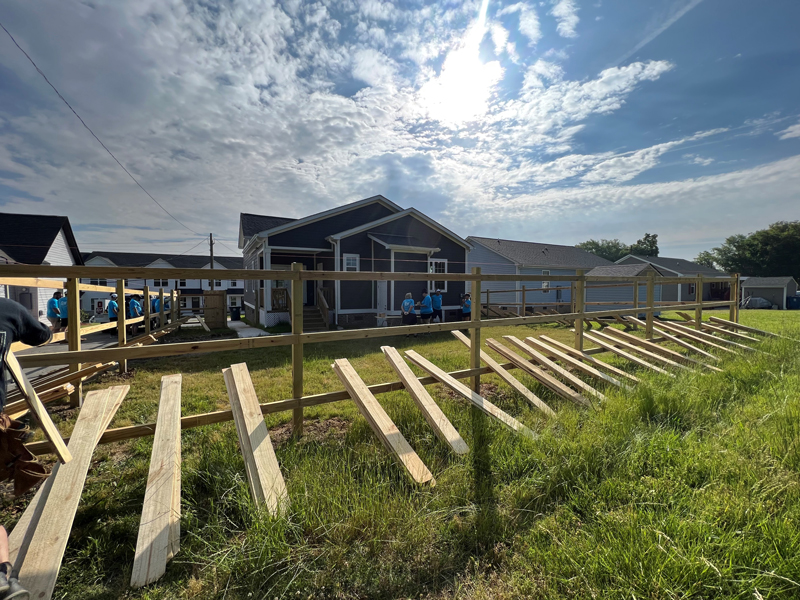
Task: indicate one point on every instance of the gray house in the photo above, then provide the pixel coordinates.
(596, 292)
(774, 289)
(497, 256)
(679, 267)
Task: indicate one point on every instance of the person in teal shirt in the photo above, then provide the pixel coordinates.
(436, 302)
(466, 307)
(426, 308)
(409, 314)
(113, 312)
(63, 307)
(134, 307)
(53, 313)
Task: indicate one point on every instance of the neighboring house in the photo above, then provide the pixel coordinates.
(369, 235)
(36, 240)
(497, 256)
(679, 267)
(774, 289)
(620, 293)
(191, 289)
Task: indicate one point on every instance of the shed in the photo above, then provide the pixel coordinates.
(773, 289)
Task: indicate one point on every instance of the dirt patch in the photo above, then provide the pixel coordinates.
(319, 430)
(488, 390)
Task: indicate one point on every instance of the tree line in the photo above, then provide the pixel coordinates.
(614, 249)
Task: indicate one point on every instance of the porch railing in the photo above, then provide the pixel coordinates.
(323, 305)
(280, 299)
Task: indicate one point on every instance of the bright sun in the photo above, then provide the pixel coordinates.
(461, 91)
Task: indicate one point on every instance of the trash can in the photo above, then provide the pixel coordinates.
(236, 313)
(793, 302)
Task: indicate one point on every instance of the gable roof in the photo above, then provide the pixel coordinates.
(676, 265)
(409, 212)
(534, 254)
(624, 270)
(27, 239)
(183, 261)
(767, 282)
(251, 224)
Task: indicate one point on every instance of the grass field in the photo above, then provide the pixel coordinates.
(683, 488)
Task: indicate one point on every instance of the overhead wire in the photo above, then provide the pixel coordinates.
(161, 206)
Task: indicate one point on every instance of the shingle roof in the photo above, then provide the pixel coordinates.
(185, 261)
(681, 265)
(253, 224)
(27, 238)
(623, 270)
(534, 254)
(766, 282)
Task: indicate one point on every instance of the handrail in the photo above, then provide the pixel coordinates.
(322, 303)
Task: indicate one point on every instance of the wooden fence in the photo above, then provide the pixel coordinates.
(12, 274)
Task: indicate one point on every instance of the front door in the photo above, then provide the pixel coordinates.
(383, 297)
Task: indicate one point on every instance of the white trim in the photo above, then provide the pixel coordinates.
(403, 248)
(784, 296)
(347, 255)
(391, 303)
(300, 249)
(337, 286)
(253, 306)
(545, 288)
(431, 288)
(409, 212)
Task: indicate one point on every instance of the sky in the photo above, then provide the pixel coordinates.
(554, 121)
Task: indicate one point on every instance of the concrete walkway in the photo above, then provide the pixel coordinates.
(243, 330)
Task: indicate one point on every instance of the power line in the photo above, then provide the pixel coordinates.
(228, 247)
(93, 134)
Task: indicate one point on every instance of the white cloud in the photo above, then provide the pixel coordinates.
(698, 160)
(566, 14)
(528, 20)
(792, 131)
(373, 67)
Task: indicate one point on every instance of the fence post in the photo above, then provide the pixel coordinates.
(651, 304)
(475, 333)
(121, 332)
(635, 303)
(297, 349)
(698, 298)
(580, 299)
(173, 310)
(734, 297)
(146, 308)
(161, 317)
(74, 333)
(523, 301)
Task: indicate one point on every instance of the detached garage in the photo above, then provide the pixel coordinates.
(773, 289)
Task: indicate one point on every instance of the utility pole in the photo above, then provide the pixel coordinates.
(211, 249)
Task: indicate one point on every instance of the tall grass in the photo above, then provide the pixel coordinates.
(682, 488)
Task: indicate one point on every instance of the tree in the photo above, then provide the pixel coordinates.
(706, 259)
(611, 250)
(647, 246)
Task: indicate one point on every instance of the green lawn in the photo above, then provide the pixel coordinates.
(685, 487)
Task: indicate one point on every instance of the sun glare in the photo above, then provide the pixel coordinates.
(461, 91)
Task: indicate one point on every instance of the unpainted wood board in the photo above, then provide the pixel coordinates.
(589, 359)
(153, 544)
(634, 359)
(37, 408)
(49, 535)
(697, 336)
(573, 362)
(646, 353)
(507, 377)
(678, 341)
(476, 399)
(728, 323)
(263, 472)
(656, 349)
(381, 424)
(438, 421)
(538, 373)
(734, 334)
(554, 367)
(202, 322)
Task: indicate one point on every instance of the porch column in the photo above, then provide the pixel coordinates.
(267, 283)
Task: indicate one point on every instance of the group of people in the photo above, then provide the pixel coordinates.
(133, 309)
(430, 308)
(57, 311)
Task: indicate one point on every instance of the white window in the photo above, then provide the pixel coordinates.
(351, 262)
(692, 288)
(159, 283)
(438, 265)
(545, 284)
(183, 302)
(217, 283)
(98, 282)
(181, 283)
(233, 283)
(234, 301)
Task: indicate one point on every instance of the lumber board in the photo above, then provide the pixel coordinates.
(573, 362)
(37, 408)
(589, 359)
(727, 323)
(646, 353)
(678, 341)
(538, 373)
(507, 377)
(381, 424)
(16, 404)
(153, 546)
(555, 368)
(656, 349)
(717, 329)
(698, 336)
(49, 535)
(20, 409)
(202, 322)
(634, 359)
(261, 465)
(476, 399)
(438, 421)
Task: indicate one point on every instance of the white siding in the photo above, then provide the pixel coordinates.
(58, 255)
(492, 263)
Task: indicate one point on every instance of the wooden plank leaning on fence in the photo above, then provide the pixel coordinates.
(626, 355)
(587, 358)
(40, 538)
(656, 349)
(37, 408)
(554, 367)
(537, 373)
(159, 528)
(711, 328)
(731, 324)
(381, 424)
(477, 400)
(556, 354)
(668, 337)
(628, 347)
(691, 334)
(507, 377)
(438, 421)
(698, 333)
(261, 465)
